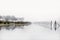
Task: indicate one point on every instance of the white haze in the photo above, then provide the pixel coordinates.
(31, 10)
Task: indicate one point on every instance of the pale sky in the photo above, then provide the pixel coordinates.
(35, 10)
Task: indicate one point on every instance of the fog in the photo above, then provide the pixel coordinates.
(33, 11)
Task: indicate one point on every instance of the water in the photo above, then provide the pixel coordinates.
(31, 32)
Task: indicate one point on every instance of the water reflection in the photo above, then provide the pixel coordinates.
(13, 26)
(44, 24)
(55, 25)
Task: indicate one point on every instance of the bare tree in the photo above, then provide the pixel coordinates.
(7, 18)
